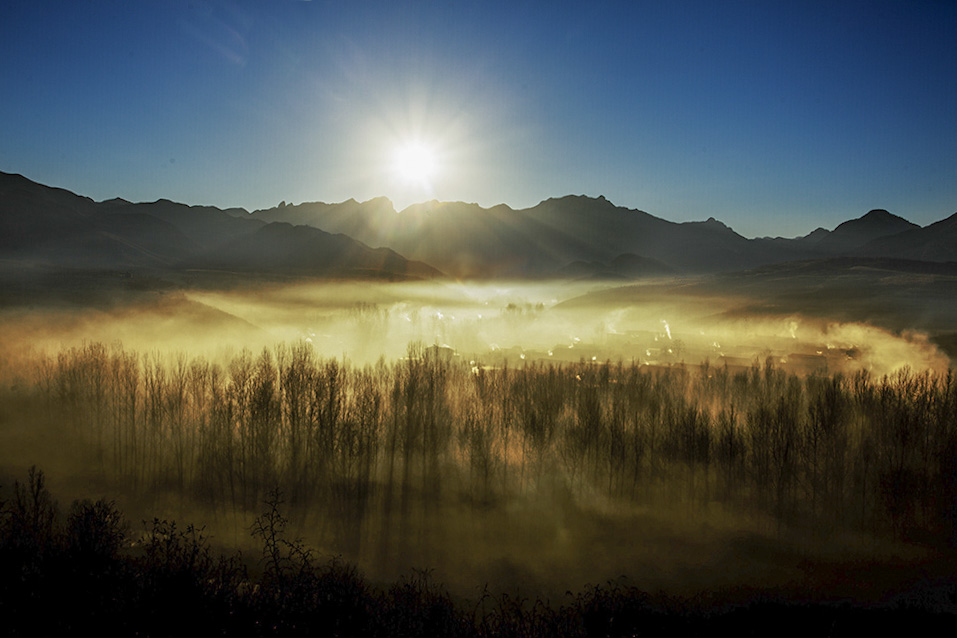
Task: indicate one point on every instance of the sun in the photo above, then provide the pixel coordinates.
(415, 163)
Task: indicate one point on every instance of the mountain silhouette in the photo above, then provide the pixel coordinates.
(935, 242)
(303, 250)
(855, 233)
(467, 240)
(52, 227)
(574, 236)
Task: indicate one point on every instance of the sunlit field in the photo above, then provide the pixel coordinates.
(524, 438)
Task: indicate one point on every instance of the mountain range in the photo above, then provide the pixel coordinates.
(566, 237)
(52, 227)
(584, 236)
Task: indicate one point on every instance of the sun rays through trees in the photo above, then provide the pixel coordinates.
(390, 460)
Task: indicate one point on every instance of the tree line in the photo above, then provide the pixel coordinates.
(386, 447)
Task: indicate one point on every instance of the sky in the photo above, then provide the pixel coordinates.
(774, 117)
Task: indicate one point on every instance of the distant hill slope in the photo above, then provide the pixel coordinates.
(900, 295)
(467, 240)
(936, 242)
(897, 294)
(855, 233)
(53, 227)
(578, 236)
(303, 250)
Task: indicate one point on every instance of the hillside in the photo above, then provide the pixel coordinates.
(466, 240)
(43, 227)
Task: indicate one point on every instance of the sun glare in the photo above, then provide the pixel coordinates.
(415, 163)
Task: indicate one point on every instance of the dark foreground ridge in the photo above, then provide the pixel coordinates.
(86, 572)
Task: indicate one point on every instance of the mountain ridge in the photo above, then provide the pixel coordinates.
(558, 237)
(55, 228)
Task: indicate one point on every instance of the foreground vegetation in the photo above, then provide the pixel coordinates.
(87, 572)
(376, 453)
(420, 461)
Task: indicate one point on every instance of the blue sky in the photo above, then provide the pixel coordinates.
(774, 117)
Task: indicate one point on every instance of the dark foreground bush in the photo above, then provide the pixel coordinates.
(86, 572)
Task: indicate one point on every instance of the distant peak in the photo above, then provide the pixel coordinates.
(946, 222)
(879, 216)
(381, 199)
(421, 207)
(380, 203)
(579, 200)
(711, 221)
